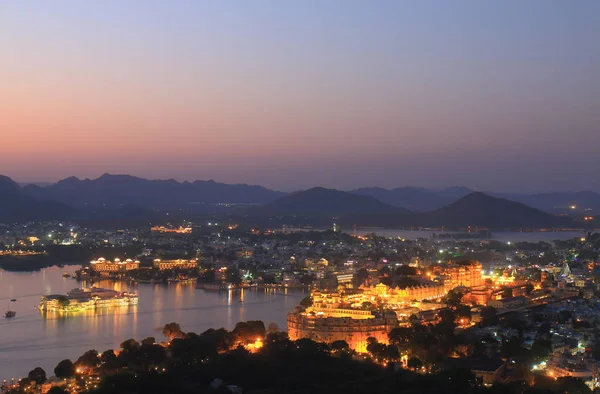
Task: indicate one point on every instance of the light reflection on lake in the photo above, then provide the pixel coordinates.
(35, 339)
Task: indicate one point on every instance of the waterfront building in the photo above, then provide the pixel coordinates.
(330, 325)
(86, 298)
(171, 264)
(103, 265)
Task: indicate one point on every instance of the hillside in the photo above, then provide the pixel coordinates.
(15, 206)
(414, 198)
(118, 190)
(475, 210)
(479, 209)
(321, 202)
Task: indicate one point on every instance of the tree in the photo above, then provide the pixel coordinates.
(361, 275)
(391, 353)
(541, 348)
(172, 331)
(64, 369)
(249, 331)
(529, 288)
(463, 311)
(572, 386)
(453, 298)
(89, 360)
(57, 390)
(37, 375)
(414, 363)
(149, 341)
(489, 316)
(339, 346)
(307, 302)
(109, 360)
(375, 348)
(130, 345)
(272, 328)
(564, 316)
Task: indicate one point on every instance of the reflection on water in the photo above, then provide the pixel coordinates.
(34, 338)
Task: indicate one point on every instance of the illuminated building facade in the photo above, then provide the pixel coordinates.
(103, 265)
(398, 296)
(352, 326)
(467, 274)
(179, 230)
(171, 264)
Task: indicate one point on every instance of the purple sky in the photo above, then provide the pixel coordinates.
(495, 95)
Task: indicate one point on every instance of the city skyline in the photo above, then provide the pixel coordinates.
(341, 94)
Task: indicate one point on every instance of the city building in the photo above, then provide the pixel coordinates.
(103, 265)
(330, 325)
(171, 264)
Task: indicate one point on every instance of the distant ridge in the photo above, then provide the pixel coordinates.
(15, 206)
(479, 209)
(473, 210)
(321, 202)
(422, 200)
(117, 190)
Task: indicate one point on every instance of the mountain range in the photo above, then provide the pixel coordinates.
(116, 197)
(17, 206)
(117, 190)
(421, 199)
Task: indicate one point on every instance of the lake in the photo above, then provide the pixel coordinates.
(31, 339)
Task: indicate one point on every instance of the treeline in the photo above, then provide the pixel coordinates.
(217, 361)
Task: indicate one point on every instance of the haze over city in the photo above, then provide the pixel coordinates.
(499, 96)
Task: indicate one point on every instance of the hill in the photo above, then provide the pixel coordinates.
(475, 210)
(422, 200)
(560, 202)
(414, 198)
(479, 209)
(321, 202)
(118, 190)
(15, 206)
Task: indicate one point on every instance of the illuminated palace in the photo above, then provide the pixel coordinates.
(170, 264)
(350, 325)
(465, 273)
(87, 298)
(103, 265)
(180, 230)
(353, 315)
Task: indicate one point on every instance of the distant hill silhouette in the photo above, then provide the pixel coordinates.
(475, 210)
(559, 201)
(422, 200)
(479, 209)
(117, 190)
(321, 202)
(15, 206)
(414, 198)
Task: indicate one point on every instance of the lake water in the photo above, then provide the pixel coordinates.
(508, 236)
(31, 339)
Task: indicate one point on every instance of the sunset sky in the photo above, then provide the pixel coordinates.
(494, 95)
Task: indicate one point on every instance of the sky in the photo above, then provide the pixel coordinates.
(499, 95)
